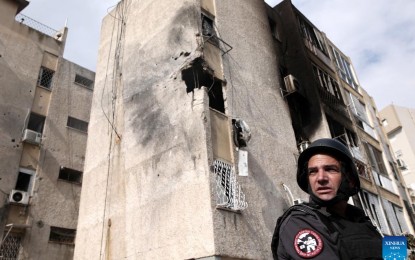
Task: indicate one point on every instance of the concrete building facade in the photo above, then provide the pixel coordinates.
(199, 112)
(399, 124)
(44, 105)
(168, 175)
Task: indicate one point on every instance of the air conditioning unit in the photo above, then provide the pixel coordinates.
(291, 84)
(32, 137)
(18, 196)
(401, 164)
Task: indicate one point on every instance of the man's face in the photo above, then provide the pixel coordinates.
(324, 176)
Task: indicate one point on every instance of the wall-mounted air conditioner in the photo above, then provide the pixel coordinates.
(291, 84)
(401, 164)
(18, 196)
(32, 137)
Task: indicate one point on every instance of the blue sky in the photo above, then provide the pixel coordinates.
(378, 35)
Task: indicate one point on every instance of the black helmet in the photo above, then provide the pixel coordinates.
(330, 147)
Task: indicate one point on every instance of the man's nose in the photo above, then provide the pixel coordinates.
(321, 175)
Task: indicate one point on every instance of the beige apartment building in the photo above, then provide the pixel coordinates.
(399, 124)
(199, 113)
(44, 113)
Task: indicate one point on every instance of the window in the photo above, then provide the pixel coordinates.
(375, 159)
(36, 122)
(375, 211)
(209, 34)
(62, 235)
(77, 124)
(207, 26)
(312, 35)
(70, 175)
(208, 30)
(24, 180)
(358, 109)
(361, 169)
(345, 69)
(10, 246)
(395, 216)
(84, 81)
(45, 77)
(341, 133)
(327, 83)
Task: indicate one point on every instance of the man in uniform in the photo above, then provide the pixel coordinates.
(327, 227)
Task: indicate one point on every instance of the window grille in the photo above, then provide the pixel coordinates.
(10, 247)
(77, 124)
(62, 235)
(45, 77)
(84, 81)
(70, 175)
(229, 194)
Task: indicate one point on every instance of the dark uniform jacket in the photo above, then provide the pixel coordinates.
(307, 231)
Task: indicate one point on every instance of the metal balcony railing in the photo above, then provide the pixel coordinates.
(21, 18)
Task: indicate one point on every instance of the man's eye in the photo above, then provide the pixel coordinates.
(312, 172)
(333, 170)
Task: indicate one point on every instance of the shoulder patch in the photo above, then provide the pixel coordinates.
(308, 243)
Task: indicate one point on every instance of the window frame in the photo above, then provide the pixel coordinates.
(70, 172)
(84, 82)
(56, 235)
(77, 124)
(45, 75)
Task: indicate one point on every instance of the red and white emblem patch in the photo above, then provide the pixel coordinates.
(308, 243)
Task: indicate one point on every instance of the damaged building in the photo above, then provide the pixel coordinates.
(45, 103)
(200, 111)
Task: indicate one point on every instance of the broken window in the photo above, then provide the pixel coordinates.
(342, 133)
(45, 77)
(77, 124)
(84, 81)
(209, 34)
(36, 122)
(327, 83)
(198, 75)
(70, 175)
(62, 235)
(362, 170)
(312, 35)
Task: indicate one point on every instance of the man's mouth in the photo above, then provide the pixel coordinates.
(323, 190)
